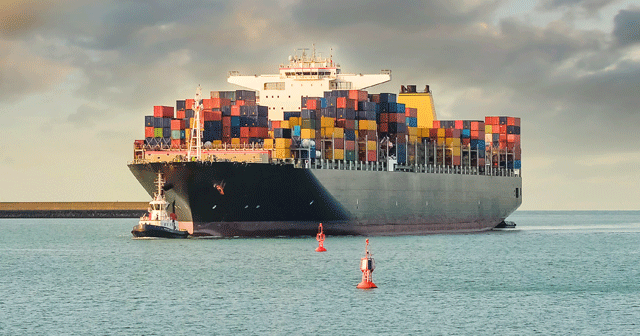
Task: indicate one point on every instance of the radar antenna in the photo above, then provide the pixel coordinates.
(195, 144)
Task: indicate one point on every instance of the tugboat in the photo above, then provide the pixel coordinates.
(157, 222)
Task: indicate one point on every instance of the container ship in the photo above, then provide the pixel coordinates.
(311, 145)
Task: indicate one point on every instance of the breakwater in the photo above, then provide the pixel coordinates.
(72, 209)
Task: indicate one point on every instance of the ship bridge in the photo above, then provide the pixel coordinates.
(303, 76)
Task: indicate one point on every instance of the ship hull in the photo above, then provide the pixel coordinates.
(257, 199)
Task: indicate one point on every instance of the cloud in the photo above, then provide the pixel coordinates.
(627, 27)
(590, 7)
(86, 116)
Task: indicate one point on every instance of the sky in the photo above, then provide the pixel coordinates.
(77, 78)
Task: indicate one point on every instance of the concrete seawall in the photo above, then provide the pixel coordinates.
(72, 209)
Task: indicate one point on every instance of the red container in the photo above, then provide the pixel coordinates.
(516, 121)
(383, 127)
(433, 133)
(384, 118)
(188, 104)
(177, 143)
(181, 114)
(374, 98)
(349, 145)
(517, 153)
(455, 133)
(459, 124)
(148, 132)
(349, 124)
(338, 143)
(244, 132)
(340, 123)
(163, 111)
(476, 135)
(465, 141)
(215, 103)
(502, 129)
(226, 131)
(177, 124)
(226, 121)
(275, 124)
(436, 124)
(511, 121)
(341, 102)
(456, 160)
(448, 132)
(371, 156)
(244, 141)
(235, 110)
(313, 104)
(477, 126)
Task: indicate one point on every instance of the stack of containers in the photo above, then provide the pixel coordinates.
(392, 124)
(158, 126)
(367, 128)
(502, 137)
(462, 139)
(281, 143)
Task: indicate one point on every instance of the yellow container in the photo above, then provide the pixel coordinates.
(294, 121)
(217, 142)
(371, 145)
(413, 138)
(453, 142)
(284, 124)
(268, 143)
(363, 125)
(283, 143)
(282, 153)
(372, 125)
(338, 154)
(488, 129)
(440, 132)
(413, 131)
(338, 133)
(327, 122)
(456, 151)
(306, 133)
(235, 141)
(440, 141)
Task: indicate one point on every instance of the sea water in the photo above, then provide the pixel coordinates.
(557, 273)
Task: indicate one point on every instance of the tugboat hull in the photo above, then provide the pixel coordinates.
(157, 231)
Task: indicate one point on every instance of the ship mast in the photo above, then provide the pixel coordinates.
(196, 129)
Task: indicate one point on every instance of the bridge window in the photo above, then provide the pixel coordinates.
(274, 86)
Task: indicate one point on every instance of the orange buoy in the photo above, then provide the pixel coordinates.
(367, 265)
(320, 239)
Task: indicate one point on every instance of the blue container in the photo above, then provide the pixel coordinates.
(296, 130)
(412, 122)
(183, 134)
(166, 132)
(306, 154)
(235, 121)
(466, 133)
(351, 114)
(158, 123)
(180, 104)
(517, 164)
(349, 135)
(323, 102)
(401, 151)
(166, 122)
(387, 97)
(149, 121)
(235, 131)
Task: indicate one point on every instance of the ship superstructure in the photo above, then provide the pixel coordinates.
(303, 76)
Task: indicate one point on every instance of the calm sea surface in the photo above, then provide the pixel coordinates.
(558, 273)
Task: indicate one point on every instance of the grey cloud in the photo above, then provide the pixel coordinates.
(627, 27)
(589, 6)
(86, 116)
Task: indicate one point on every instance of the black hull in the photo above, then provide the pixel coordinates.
(156, 231)
(280, 200)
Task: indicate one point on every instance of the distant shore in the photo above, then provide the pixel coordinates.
(72, 209)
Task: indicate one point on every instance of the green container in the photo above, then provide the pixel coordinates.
(175, 134)
(350, 155)
(157, 132)
(308, 124)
